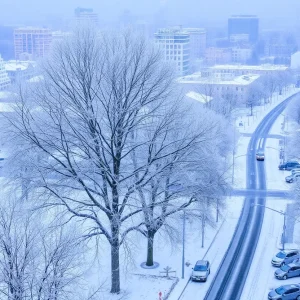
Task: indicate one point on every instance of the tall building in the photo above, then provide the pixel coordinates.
(7, 42)
(175, 46)
(4, 79)
(86, 15)
(197, 42)
(244, 25)
(32, 43)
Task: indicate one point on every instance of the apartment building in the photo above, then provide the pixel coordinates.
(31, 43)
(4, 79)
(175, 46)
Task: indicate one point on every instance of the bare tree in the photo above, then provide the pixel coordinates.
(187, 176)
(36, 262)
(254, 97)
(104, 97)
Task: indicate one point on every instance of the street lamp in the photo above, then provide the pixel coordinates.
(183, 245)
(284, 214)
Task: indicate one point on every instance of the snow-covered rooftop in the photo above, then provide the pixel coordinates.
(239, 80)
(199, 97)
(14, 65)
(265, 67)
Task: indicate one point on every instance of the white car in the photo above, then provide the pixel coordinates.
(285, 257)
(201, 271)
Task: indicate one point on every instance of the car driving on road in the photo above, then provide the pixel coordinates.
(285, 292)
(287, 271)
(260, 155)
(292, 178)
(285, 257)
(201, 271)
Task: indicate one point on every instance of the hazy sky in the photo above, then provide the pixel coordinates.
(17, 11)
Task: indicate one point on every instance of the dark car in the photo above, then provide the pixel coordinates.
(289, 165)
(201, 271)
(287, 271)
(260, 155)
(285, 292)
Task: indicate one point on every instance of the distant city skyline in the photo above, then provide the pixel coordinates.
(186, 12)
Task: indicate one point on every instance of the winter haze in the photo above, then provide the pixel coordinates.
(189, 11)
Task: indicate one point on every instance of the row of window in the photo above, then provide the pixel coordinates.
(227, 88)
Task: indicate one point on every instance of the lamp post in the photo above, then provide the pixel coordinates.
(183, 245)
(283, 236)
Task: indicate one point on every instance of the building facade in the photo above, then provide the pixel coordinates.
(220, 86)
(19, 70)
(197, 42)
(4, 79)
(7, 42)
(215, 56)
(175, 46)
(241, 55)
(31, 43)
(244, 25)
(86, 15)
(239, 70)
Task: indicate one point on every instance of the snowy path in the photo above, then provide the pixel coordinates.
(197, 290)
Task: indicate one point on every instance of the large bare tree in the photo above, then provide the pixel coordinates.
(104, 99)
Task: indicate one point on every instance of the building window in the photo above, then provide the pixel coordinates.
(237, 88)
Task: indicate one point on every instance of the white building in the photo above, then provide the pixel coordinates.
(19, 70)
(238, 70)
(175, 46)
(4, 79)
(241, 55)
(197, 42)
(219, 86)
(295, 60)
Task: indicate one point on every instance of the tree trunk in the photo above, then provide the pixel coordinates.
(115, 262)
(150, 238)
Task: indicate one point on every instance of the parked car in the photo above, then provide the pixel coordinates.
(289, 165)
(285, 257)
(292, 178)
(260, 155)
(201, 270)
(287, 271)
(295, 171)
(285, 292)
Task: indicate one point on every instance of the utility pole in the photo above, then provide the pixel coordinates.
(183, 244)
(283, 231)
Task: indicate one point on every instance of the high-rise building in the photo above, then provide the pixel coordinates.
(197, 42)
(31, 43)
(7, 42)
(4, 79)
(175, 46)
(86, 15)
(244, 25)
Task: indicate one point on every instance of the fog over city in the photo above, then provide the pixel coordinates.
(285, 13)
(149, 150)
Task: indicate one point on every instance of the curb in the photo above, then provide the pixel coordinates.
(213, 240)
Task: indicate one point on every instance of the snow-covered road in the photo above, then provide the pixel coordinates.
(261, 275)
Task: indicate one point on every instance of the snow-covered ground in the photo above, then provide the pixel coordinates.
(139, 283)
